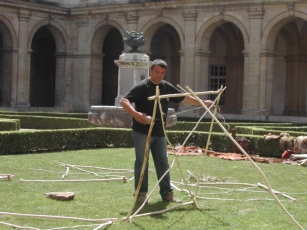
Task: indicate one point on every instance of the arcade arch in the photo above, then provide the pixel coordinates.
(220, 60)
(164, 42)
(104, 72)
(287, 65)
(48, 42)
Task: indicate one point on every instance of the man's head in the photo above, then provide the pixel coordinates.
(157, 71)
(158, 62)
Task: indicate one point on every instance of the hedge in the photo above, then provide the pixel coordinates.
(18, 142)
(9, 124)
(41, 122)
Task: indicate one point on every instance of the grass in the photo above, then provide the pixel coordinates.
(113, 199)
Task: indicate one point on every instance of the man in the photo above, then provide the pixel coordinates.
(139, 94)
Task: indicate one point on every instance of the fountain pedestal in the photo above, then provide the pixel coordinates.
(133, 67)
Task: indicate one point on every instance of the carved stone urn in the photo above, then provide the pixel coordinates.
(134, 40)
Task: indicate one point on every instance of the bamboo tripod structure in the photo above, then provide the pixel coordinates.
(193, 202)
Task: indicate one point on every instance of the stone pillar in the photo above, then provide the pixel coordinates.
(23, 73)
(133, 67)
(188, 77)
(60, 81)
(8, 74)
(81, 66)
(182, 69)
(96, 79)
(252, 90)
(202, 71)
(14, 78)
(266, 83)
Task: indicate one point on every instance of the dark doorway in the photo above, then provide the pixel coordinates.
(42, 73)
(112, 48)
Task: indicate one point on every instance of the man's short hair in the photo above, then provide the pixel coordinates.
(158, 62)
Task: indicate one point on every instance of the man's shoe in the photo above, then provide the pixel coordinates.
(142, 197)
(170, 198)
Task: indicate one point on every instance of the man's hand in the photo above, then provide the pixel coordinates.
(208, 103)
(142, 118)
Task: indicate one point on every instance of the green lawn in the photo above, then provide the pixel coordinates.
(233, 208)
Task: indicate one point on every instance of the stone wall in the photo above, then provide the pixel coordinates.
(262, 44)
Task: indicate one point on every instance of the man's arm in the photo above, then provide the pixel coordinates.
(193, 101)
(138, 116)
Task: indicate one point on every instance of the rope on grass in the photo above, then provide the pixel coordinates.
(79, 226)
(56, 217)
(215, 185)
(124, 179)
(165, 210)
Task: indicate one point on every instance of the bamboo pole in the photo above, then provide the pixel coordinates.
(249, 158)
(145, 157)
(209, 136)
(171, 165)
(183, 94)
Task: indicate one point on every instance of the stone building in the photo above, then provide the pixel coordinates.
(59, 55)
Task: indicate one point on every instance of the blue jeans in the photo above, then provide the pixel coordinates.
(158, 148)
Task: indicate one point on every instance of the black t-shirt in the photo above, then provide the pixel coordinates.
(139, 95)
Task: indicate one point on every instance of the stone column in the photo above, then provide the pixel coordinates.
(60, 81)
(188, 77)
(14, 78)
(182, 68)
(96, 79)
(266, 83)
(81, 66)
(202, 71)
(133, 67)
(8, 74)
(23, 73)
(252, 90)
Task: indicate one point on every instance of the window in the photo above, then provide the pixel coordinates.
(217, 79)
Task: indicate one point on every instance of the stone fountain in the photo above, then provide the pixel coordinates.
(133, 67)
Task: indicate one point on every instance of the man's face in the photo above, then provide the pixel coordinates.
(157, 74)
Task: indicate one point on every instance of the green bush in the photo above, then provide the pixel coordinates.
(41, 122)
(67, 139)
(9, 124)
(58, 131)
(46, 114)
